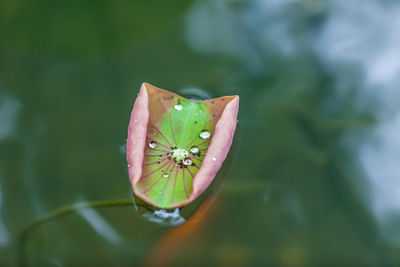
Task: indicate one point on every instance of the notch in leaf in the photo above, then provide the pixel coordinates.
(176, 146)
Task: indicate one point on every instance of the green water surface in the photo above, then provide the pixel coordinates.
(303, 190)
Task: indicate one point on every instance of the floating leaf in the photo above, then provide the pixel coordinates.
(176, 146)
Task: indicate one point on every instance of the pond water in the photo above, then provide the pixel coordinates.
(315, 178)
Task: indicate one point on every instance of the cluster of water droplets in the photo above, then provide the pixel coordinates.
(179, 155)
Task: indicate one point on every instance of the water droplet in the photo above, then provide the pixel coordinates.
(166, 175)
(178, 107)
(152, 144)
(187, 161)
(129, 165)
(195, 150)
(205, 134)
(179, 154)
(214, 158)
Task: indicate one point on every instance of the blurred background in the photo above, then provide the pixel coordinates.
(316, 179)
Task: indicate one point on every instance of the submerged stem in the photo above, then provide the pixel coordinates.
(65, 210)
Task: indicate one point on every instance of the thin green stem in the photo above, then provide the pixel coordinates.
(29, 228)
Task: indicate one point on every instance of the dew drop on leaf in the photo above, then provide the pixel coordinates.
(205, 134)
(152, 144)
(187, 161)
(194, 150)
(178, 107)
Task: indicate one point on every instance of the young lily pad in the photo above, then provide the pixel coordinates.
(176, 146)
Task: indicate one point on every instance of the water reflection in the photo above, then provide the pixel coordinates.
(165, 217)
(100, 225)
(9, 108)
(357, 42)
(360, 39)
(379, 154)
(4, 236)
(8, 114)
(251, 31)
(194, 93)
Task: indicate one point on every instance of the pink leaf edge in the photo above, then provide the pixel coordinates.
(215, 156)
